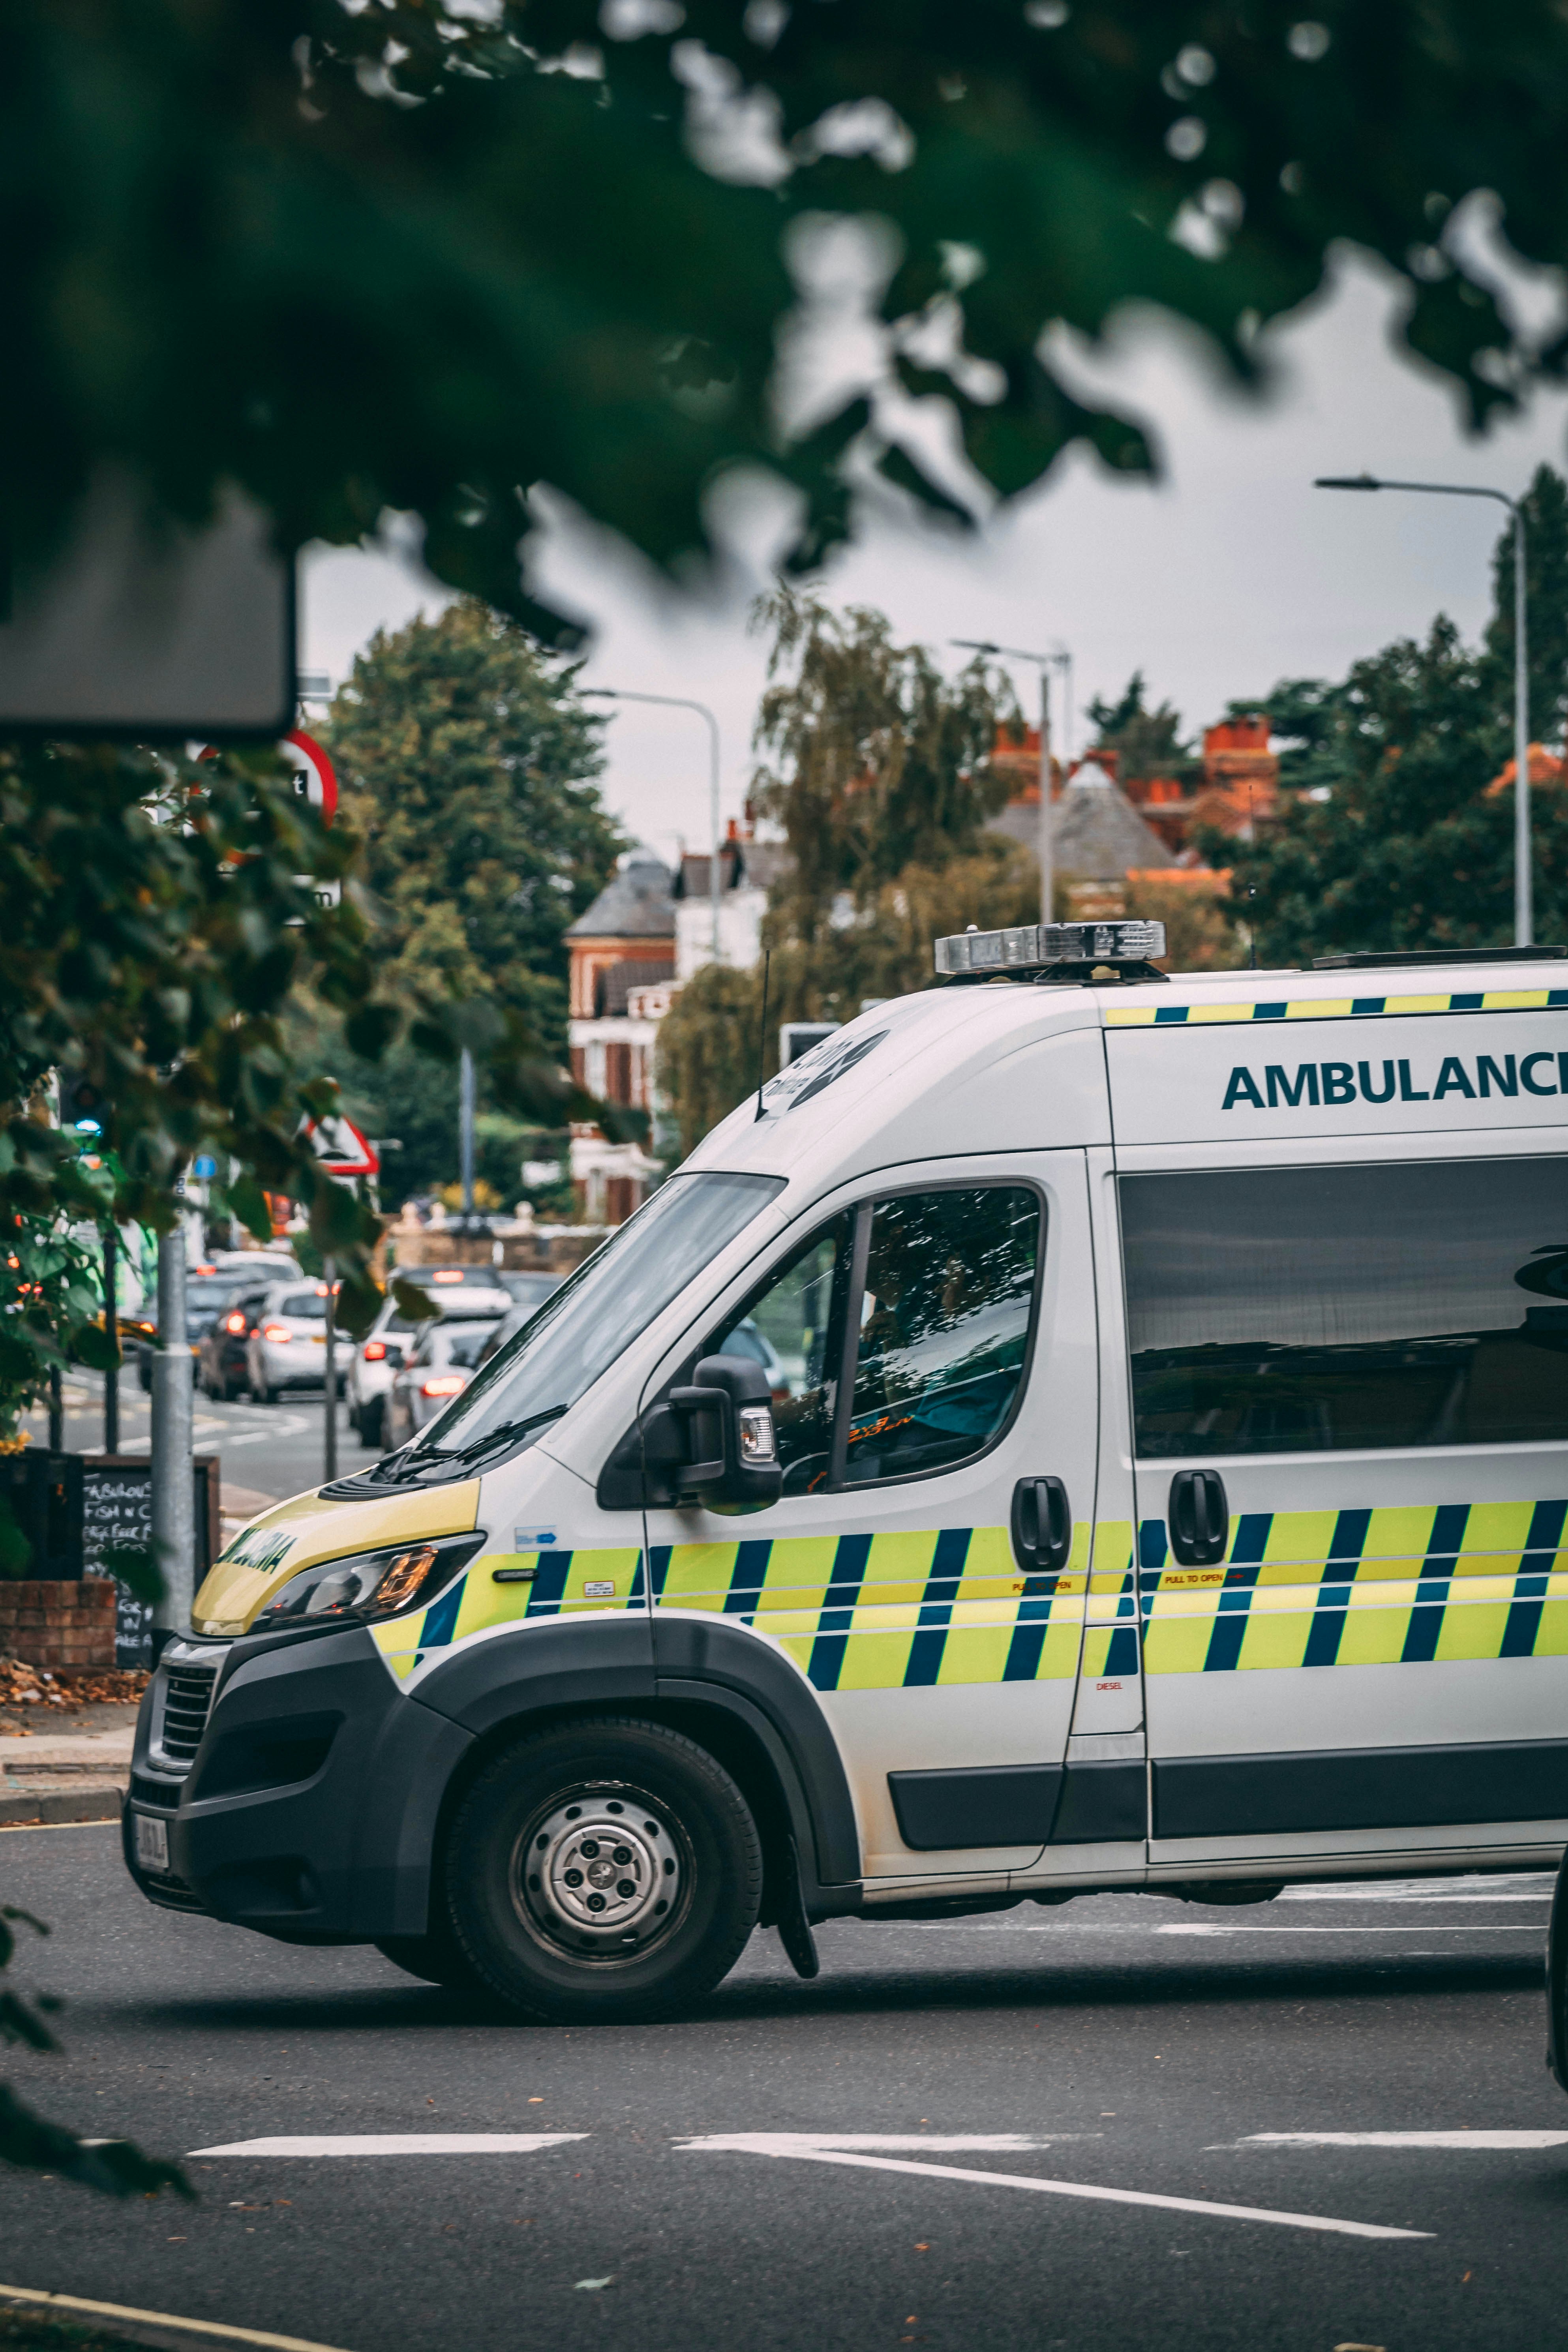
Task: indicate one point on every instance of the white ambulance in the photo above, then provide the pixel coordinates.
(1076, 1429)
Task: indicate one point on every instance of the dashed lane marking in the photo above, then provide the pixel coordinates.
(808, 2148)
(1403, 2139)
(38, 2299)
(396, 2143)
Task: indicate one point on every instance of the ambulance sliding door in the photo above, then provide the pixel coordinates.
(1350, 1388)
(931, 1342)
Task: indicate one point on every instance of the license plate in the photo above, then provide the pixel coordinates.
(319, 1338)
(152, 1842)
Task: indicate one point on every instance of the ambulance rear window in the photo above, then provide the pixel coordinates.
(1304, 1310)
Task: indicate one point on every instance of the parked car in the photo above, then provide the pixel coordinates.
(286, 1348)
(210, 1288)
(379, 1357)
(438, 1368)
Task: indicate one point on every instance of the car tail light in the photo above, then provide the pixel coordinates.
(234, 1322)
(375, 1349)
(278, 1333)
(453, 1275)
(443, 1385)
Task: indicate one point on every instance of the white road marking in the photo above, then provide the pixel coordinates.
(1199, 1927)
(1534, 1885)
(1403, 2139)
(396, 2143)
(811, 2149)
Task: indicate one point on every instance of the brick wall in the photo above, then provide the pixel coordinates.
(59, 1624)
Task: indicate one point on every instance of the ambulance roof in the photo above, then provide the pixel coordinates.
(1012, 1065)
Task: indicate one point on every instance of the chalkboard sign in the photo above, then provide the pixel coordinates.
(117, 1512)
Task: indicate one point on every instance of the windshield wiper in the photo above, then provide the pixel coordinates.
(501, 1434)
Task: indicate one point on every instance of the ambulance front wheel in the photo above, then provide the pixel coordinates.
(602, 1870)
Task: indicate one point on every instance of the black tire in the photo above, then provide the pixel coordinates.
(434, 1959)
(673, 1819)
(370, 1421)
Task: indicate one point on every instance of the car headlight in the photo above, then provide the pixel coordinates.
(362, 1585)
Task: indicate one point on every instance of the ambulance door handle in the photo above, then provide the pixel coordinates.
(1199, 1517)
(1042, 1526)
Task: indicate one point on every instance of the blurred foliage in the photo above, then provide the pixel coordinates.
(33, 2144)
(50, 1302)
(155, 912)
(423, 255)
(1389, 833)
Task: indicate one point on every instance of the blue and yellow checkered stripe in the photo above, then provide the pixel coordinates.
(1361, 1587)
(914, 1609)
(476, 1603)
(1332, 1008)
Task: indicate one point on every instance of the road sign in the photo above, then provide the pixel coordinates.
(311, 771)
(204, 1166)
(341, 1148)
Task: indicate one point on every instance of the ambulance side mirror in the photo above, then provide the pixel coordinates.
(709, 1442)
(731, 1453)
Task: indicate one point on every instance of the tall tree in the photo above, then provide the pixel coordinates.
(1396, 829)
(873, 761)
(1546, 614)
(466, 760)
(1146, 742)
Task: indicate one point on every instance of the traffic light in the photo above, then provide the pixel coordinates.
(84, 1107)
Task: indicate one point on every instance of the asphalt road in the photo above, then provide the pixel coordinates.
(1277, 2061)
(876, 2158)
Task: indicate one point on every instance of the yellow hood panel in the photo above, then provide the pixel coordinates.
(296, 1533)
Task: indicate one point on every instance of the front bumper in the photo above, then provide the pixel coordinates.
(310, 1806)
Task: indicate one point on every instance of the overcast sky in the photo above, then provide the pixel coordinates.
(1229, 573)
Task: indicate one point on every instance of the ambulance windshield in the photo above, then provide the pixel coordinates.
(580, 1330)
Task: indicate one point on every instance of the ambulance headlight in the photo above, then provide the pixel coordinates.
(366, 1584)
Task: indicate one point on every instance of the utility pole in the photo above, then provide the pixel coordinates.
(465, 1133)
(173, 1476)
(330, 1422)
(1058, 658)
(681, 702)
(112, 1332)
(1523, 864)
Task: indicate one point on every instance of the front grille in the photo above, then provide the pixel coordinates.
(187, 1700)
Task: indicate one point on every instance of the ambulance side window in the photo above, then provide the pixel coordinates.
(1305, 1310)
(793, 1327)
(944, 1328)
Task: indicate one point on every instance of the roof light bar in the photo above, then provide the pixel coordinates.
(1037, 946)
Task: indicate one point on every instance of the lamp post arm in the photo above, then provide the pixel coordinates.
(685, 702)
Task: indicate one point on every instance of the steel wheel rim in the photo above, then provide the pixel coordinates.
(601, 1874)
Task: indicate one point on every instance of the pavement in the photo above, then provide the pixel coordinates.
(1128, 2122)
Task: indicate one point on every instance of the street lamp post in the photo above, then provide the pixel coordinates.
(683, 702)
(1061, 659)
(1523, 878)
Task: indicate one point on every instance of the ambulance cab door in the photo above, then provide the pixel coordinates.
(930, 1345)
